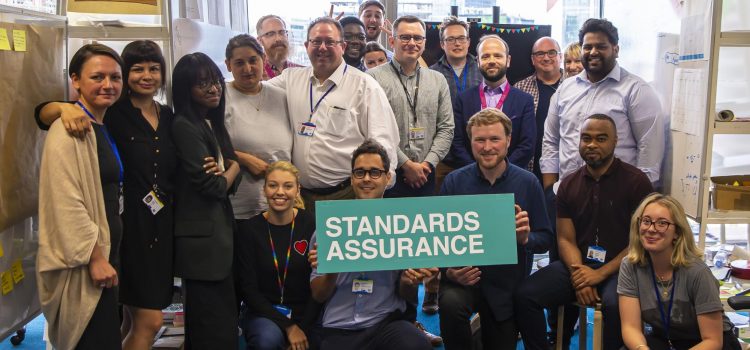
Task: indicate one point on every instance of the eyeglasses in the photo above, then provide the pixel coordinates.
(460, 39)
(206, 85)
(282, 33)
(660, 226)
(374, 173)
(405, 38)
(316, 43)
(352, 37)
(541, 54)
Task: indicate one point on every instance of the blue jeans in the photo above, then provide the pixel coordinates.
(262, 334)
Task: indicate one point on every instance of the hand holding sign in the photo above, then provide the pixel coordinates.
(312, 256)
(522, 226)
(414, 277)
(465, 276)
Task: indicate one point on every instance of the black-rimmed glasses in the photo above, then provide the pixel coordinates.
(374, 173)
(660, 226)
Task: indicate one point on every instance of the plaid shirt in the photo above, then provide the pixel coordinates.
(270, 71)
(471, 72)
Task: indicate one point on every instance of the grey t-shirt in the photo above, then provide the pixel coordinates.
(696, 293)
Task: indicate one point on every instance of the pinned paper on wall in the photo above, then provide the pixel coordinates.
(17, 271)
(6, 282)
(1, 249)
(689, 101)
(19, 40)
(4, 42)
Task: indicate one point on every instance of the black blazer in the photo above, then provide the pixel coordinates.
(204, 222)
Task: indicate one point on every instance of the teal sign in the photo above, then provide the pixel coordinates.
(401, 233)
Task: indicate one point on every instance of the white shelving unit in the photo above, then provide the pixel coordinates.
(706, 215)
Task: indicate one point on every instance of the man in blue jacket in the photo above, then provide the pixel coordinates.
(495, 91)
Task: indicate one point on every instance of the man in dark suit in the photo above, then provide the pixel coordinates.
(495, 91)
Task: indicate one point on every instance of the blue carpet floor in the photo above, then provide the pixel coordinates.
(35, 330)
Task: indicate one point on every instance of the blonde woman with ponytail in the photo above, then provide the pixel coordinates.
(273, 246)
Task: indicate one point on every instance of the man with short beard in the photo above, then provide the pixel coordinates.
(489, 290)
(494, 91)
(354, 36)
(372, 14)
(594, 205)
(608, 89)
(274, 37)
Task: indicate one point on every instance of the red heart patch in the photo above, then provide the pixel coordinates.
(300, 247)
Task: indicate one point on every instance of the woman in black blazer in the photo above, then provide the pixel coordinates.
(204, 231)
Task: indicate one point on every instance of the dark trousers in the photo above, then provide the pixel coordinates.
(211, 316)
(103, 330)
(551, 287)
(401, 189)
(386, 335)
(457, 303)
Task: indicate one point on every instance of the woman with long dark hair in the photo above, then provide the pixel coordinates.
(141, 129)
(80, 186)
(204, 222)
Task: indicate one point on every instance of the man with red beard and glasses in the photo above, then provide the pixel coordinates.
(489, 289)
(494, 92)
(333, 108)
(274, 37)
(594, 205)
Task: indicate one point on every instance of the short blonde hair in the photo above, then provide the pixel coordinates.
(282, 165)
(685, 249)
(489, 116)
(573, 50)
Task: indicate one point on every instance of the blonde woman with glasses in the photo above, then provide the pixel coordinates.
(664, 282)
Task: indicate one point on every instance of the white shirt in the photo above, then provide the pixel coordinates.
(265, 134)
(627, 99)
(356, 109)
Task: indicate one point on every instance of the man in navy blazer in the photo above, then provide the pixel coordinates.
(495, 91)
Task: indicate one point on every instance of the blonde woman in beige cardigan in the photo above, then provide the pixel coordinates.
(79, 207)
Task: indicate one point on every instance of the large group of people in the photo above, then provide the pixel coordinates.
(221, 190)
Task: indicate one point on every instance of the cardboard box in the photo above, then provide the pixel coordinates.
(731, 192)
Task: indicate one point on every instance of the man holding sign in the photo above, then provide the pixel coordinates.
(489, 289)
(365, 310)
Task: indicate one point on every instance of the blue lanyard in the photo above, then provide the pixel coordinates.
(109, 139)
(455, 78)
(665, 319)
(312, 110)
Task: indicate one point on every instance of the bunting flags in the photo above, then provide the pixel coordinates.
(507, 30)
(494, 28)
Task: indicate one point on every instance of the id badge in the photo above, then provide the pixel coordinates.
(284, 310)
(596, 253)
(152, 202)
(362, 286)
(416, 133)
(306, 129)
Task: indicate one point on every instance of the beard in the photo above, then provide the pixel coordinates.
(597, 163)
(278, 52)
(493, 78)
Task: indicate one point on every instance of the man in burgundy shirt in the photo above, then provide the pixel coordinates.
(594, 206)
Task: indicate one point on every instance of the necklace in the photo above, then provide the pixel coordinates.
(664, 286)
(260, 101)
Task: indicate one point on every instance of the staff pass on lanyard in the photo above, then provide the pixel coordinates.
(279, 278)
(113, 146)
(499, 102)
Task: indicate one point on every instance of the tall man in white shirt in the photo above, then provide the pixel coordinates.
(606, 88)
(333, 108)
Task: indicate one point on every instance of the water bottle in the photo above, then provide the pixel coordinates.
(720, 259)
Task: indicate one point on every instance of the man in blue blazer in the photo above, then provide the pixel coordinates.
(495, 91)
